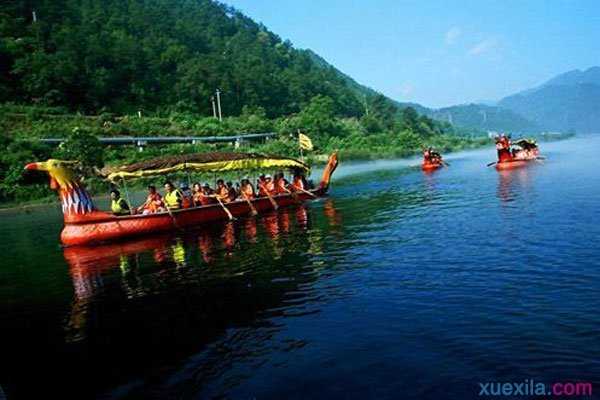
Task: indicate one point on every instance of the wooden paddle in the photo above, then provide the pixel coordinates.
(252, 209)
(231, 217)
(273, 202)
(306, 191)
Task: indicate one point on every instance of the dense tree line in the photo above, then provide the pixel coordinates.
(125, 55)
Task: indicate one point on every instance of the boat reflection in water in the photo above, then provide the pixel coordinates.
(513, 183)
(173, 295)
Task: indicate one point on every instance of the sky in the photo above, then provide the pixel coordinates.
(440, 53)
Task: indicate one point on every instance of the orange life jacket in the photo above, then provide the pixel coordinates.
(298, 183)
(281, 186)
(153, 202)
(247, 191)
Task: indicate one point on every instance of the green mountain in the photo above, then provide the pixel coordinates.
(566, 102)
(155, 55)
(484, 117)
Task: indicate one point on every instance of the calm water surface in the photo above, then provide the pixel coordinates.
(399, 285)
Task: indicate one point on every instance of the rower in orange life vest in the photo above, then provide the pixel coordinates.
(281, 184)
(222, 192)
(503, 148)
(153, 203)
(203, 195)
(246, 189)
(267, 186)
(299, 182)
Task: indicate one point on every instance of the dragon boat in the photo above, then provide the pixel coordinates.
(84, 224)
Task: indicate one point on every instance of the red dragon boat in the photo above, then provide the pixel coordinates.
(85, 224)
(432, 160)
(430, 165)
(523, 154)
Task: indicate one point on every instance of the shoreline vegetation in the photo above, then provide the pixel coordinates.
(400, 134)
(386, 132)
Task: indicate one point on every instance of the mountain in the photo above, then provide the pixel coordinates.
(570, 101)
(487, 118)
(158, 55)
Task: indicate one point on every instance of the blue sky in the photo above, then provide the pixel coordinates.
(440, 53)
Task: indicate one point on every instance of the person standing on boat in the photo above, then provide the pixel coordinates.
(173, 197)
(153, 203)
(427, 154)
(503, 148)
(118, 205)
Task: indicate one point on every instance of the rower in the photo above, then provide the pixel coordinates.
(173, 198)
(186, 193)
(203, 195)
(267, 187)
(427, 154)
(247, 190)
(299, 182)
(222, 192)
(281, 184)
(119, 205)
(153, 203)
(231, 191)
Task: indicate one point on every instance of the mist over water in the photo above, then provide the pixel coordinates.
(399, 285)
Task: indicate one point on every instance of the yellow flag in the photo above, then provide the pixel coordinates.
(305, 142)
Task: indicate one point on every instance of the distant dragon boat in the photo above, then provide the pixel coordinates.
(84, 224)
(524, 152)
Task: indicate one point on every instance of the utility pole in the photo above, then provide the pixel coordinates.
(219, 105)
(214, 107)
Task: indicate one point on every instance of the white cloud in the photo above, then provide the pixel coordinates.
(483, 47)
(452, 35)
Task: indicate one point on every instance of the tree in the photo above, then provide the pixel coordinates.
(84, 147)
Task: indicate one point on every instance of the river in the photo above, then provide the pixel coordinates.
(399, 285)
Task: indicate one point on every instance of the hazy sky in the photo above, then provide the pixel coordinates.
(440, 53)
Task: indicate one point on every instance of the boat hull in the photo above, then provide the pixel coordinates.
(512, 164)
(112, 228)
(430, 166)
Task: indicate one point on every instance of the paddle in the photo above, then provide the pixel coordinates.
(172, 216)
(306, 191)
(231, 217)
(253, 210)
(492, 163)
(273, 202)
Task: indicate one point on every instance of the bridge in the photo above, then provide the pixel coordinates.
(141, 141)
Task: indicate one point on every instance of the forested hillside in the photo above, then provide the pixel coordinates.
(126, 55)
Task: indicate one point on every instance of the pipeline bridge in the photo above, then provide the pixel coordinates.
(142, 141)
